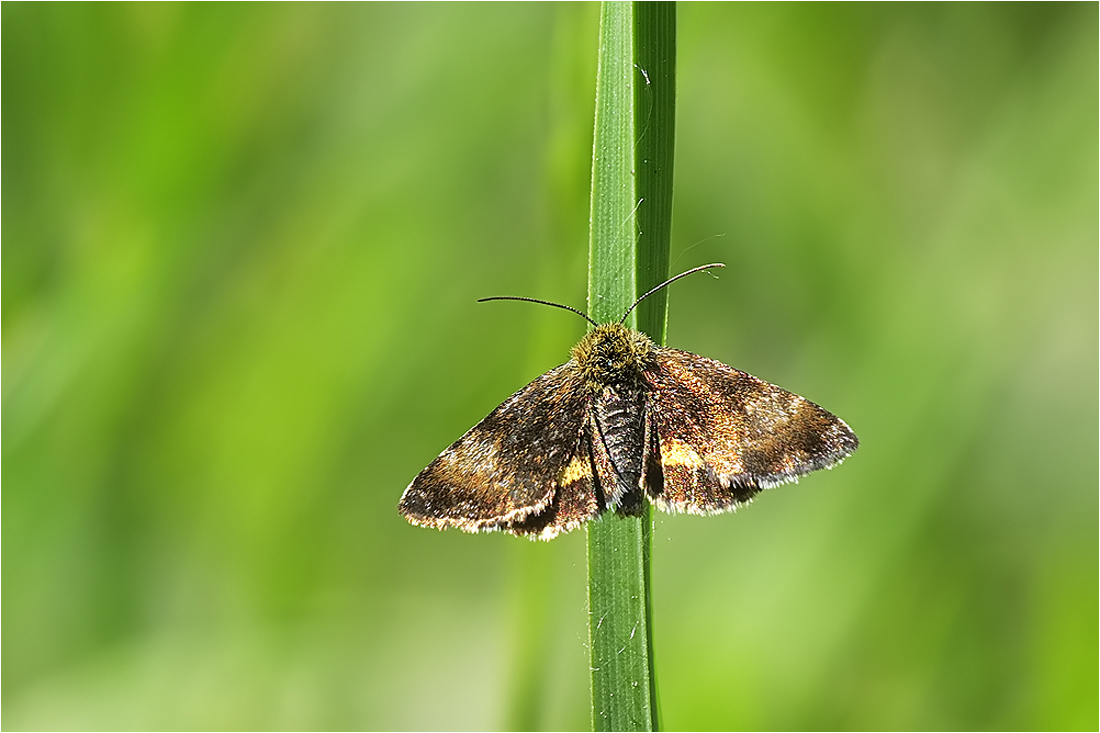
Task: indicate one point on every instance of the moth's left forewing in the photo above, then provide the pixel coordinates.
(725, 435)
(510, 466)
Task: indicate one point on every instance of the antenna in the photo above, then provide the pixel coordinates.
(543, 302)
(585, 316)
(671, 280)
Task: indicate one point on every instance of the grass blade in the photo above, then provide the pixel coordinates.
(628, 254)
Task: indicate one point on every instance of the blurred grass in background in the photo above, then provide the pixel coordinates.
(242, 245)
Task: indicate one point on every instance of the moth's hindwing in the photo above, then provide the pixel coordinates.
(574, 501)
(507, 468)
(725, 435)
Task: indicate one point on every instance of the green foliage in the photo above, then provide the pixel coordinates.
(242, 245)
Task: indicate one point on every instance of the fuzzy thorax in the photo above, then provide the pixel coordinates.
(612, 354)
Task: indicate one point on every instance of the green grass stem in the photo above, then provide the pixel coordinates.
(628, 253)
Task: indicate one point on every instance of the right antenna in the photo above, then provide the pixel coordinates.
(671, 280)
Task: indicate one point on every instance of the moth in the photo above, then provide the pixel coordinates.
(622, 422)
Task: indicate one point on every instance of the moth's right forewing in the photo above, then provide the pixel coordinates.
(725, 435)
(506, 467)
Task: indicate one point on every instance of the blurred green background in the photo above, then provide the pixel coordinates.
(242, 248)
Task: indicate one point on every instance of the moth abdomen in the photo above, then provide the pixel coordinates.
(619, 417)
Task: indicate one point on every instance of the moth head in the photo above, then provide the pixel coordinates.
(611, 354)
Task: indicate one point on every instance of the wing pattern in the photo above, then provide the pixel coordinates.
(725, 435)
(506, 471)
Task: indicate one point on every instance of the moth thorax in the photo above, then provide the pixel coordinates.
(612, 354)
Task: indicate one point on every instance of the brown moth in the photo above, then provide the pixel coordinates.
(624, 419)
